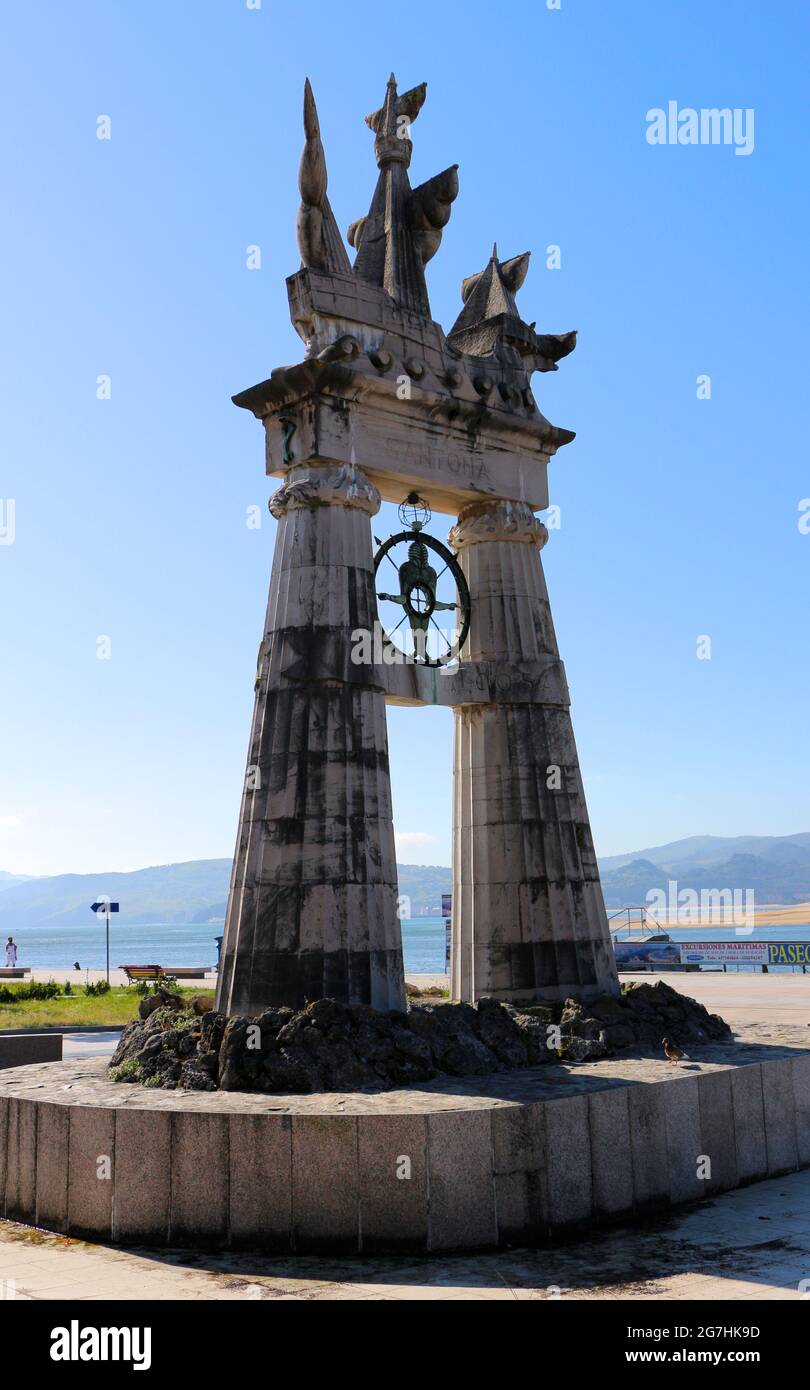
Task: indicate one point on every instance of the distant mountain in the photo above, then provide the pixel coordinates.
(164, 893)
(710, 849)
(196, 891)
(776, 867)
(424, 885)
(778, 876)
(8, 880)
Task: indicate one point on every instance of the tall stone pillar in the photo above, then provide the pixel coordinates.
(529, 921)
(312, 910)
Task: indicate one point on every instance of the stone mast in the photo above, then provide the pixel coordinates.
(382, 405)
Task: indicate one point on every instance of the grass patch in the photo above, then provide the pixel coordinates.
(425, 991)
(111, 1009)
(131, 1067)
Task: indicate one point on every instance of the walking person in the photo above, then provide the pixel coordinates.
(11, 952)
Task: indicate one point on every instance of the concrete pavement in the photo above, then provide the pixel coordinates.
(745, 1246)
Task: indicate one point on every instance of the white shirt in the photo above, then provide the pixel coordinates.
(11, 954)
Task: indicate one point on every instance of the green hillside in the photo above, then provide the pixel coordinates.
(776, 868)
(196, 891)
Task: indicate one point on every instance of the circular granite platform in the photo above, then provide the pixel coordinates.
(459, 1163)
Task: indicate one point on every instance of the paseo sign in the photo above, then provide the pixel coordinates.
(788, 953)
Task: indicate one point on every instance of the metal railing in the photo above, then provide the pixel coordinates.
(644, 925)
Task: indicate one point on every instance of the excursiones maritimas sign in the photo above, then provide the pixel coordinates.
(746, 953)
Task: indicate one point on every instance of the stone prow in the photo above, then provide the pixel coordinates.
(408, 105)
(429, 210)
(319, 239)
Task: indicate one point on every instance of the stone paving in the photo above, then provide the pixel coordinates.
(746, 1245)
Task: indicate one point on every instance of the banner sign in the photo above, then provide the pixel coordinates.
(788, 953)
(724, 953)
(745, 953)
(631, 955)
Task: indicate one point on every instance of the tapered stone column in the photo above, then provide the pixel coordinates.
(312, 910)
(529, 921)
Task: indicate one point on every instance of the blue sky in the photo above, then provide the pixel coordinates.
(126, 257)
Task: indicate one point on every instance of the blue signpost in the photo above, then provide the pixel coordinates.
(104, 905)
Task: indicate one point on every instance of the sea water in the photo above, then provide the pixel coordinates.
(186, 943)
(194, 943)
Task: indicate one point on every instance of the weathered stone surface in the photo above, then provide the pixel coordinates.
(568, 1155)
(143, 1168)
(611, 1154)
(499, 1031)
(393, 1182)
(53, 1126)
(161, 999)
(801, 1094)
(749, 1123)
(21, 1161)
(325, 1182)
(520, 1173)
(460, 1158)
(90, 1171)
(648, 1142)
(717, 1131)
(5, 1105)
(312, 908)
(18, 1049)
(534, 1156)
(683, 1140)
(780, 1118)
(199, 1169)
(312, 903)
(260, 1180)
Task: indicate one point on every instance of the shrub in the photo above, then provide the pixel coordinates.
(100, 987)
(34, 989)
(125, 1071)
(144, 987)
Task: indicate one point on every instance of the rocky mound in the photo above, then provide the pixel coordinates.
(333, 1047)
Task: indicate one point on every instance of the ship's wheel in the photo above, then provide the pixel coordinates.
(425, 612)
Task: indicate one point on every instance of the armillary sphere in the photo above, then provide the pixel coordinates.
(422, 593)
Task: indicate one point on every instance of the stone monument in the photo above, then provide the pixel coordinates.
(386, 405)
(560, 1135)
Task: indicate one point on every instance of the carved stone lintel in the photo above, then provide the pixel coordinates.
(497, 521)
(341, 485)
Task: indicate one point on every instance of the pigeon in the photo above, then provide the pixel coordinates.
(673, 1052)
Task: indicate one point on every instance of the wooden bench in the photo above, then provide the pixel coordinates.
(142, 972)
(162, 972)
(14, 972)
